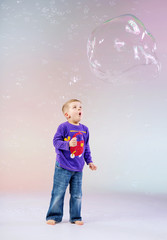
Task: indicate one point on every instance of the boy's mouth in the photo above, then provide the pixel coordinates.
(80, 114)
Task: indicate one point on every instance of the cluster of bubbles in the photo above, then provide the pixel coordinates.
(120, 45)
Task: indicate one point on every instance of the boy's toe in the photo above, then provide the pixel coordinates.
(51, 222)
(79, 222)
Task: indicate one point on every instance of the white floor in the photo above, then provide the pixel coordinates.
(106, 216)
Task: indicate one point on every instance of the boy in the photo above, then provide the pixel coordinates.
(71, 143)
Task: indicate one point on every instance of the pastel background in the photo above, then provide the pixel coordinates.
(43, 63)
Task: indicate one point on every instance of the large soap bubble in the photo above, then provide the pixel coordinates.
(119, 46)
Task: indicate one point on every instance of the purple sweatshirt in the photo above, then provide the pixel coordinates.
(72, 158)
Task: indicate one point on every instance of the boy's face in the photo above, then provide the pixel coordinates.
(74, 112)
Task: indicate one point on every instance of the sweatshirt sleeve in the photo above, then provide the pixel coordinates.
(58, 140)
(87, 154)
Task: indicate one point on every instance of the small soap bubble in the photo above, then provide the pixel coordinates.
(119, 46)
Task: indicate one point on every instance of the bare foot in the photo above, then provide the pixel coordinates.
(79, 222)
(51, 222)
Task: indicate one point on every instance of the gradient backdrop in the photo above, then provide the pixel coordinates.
(43, 63)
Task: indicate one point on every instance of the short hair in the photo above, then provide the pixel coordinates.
(66, 105)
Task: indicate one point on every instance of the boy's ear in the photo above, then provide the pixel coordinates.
(66, 115)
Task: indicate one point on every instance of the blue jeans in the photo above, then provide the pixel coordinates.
(63, 178)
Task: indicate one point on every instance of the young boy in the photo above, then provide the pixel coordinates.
(71, 143)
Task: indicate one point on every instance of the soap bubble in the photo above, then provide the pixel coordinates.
(119, 46)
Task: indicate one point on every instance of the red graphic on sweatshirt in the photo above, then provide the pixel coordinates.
(77, 150)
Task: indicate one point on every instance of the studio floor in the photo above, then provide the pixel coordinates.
(106, 216)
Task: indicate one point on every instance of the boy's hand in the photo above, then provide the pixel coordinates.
(92, 166)
(73, 142)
